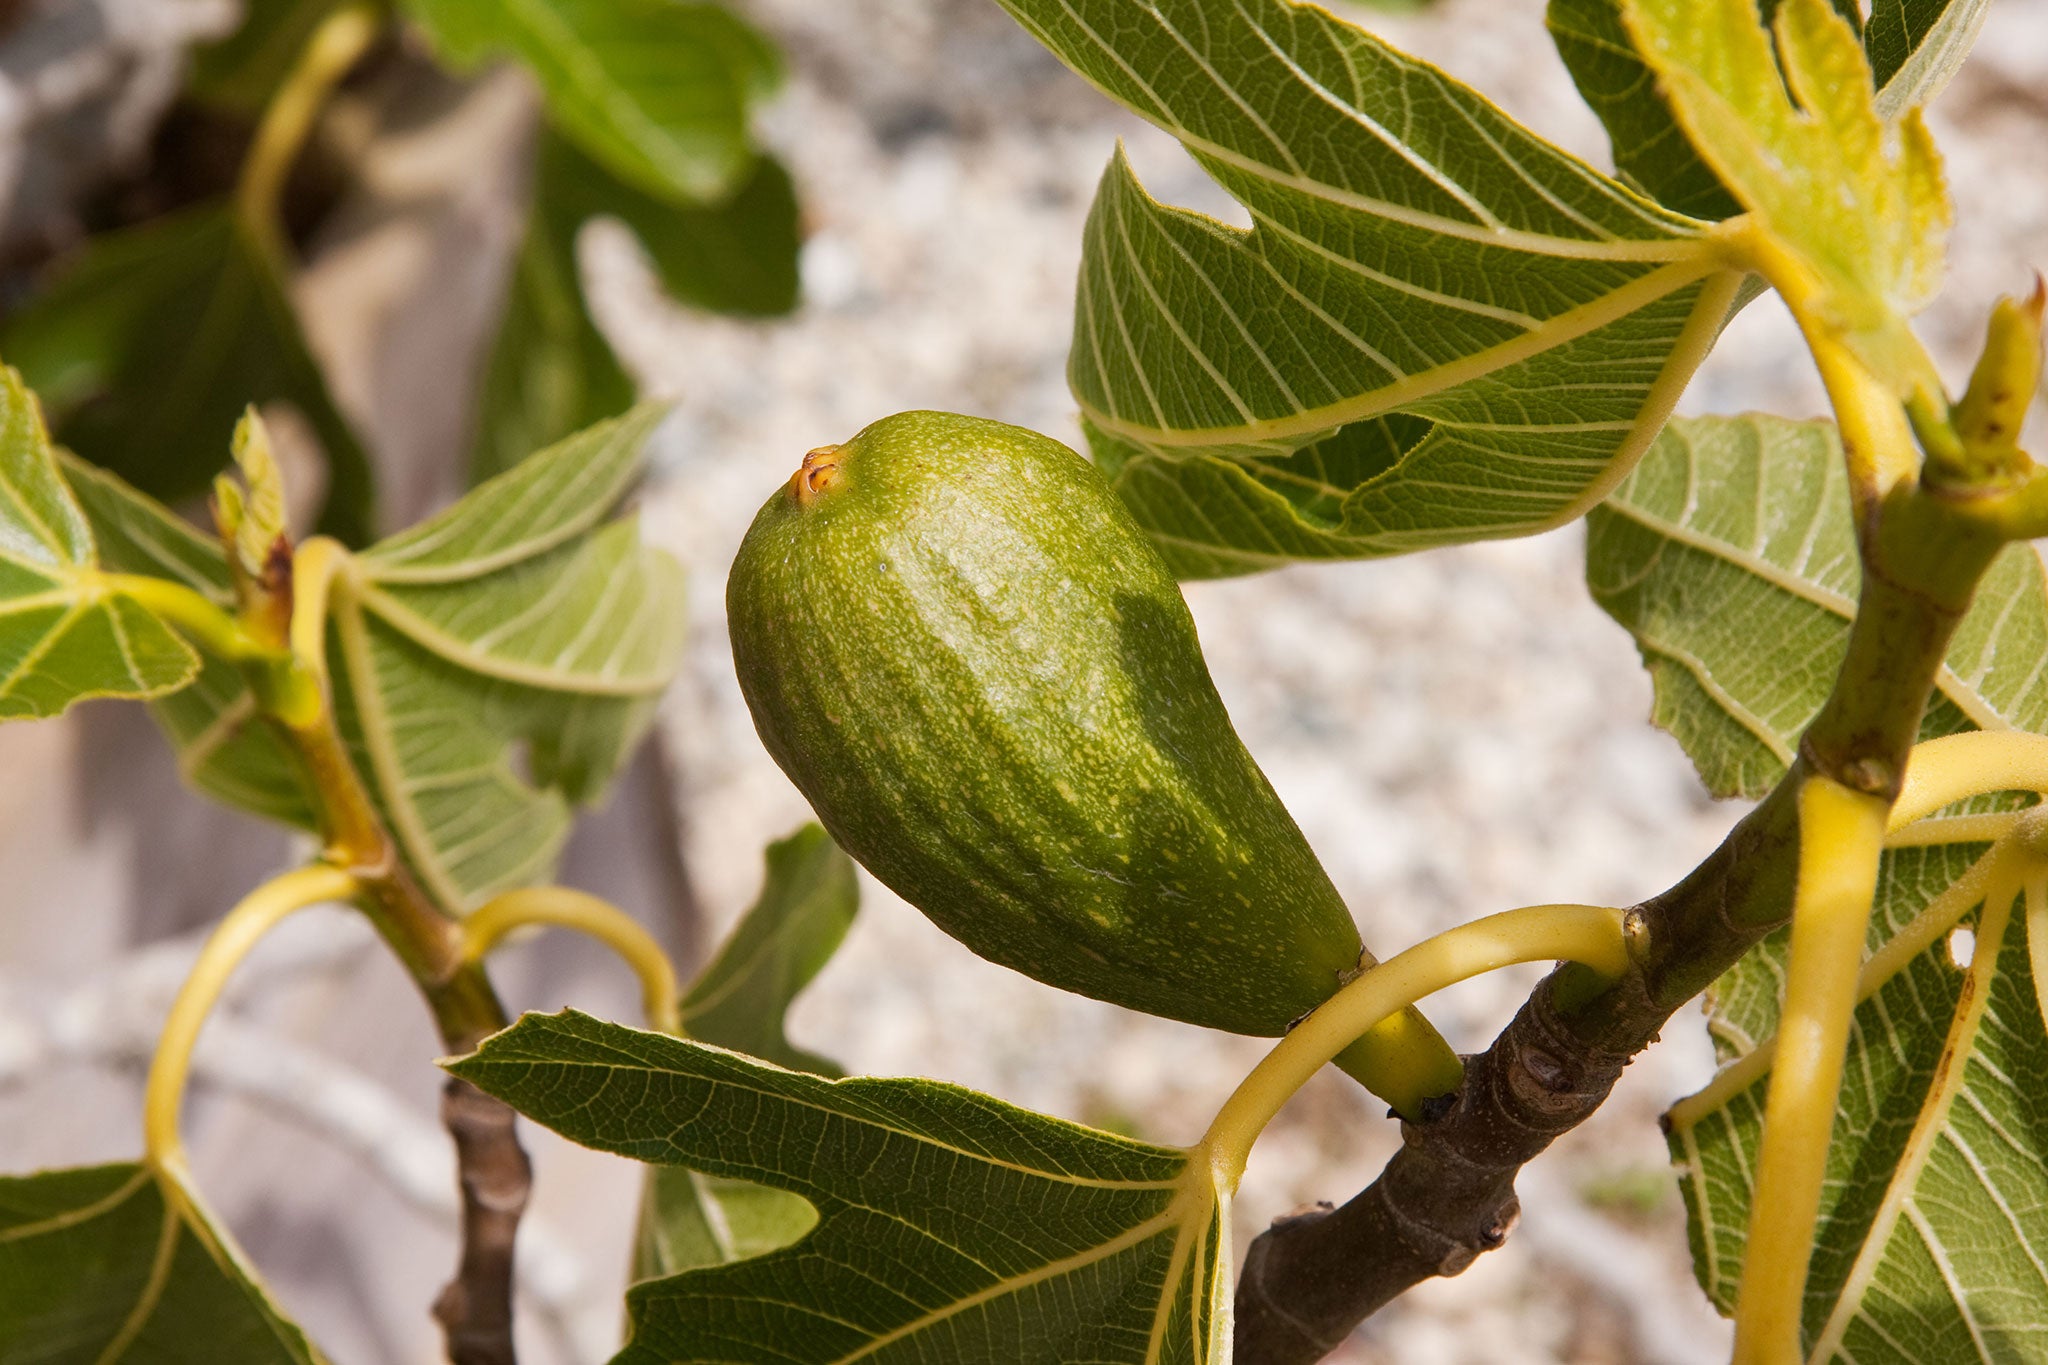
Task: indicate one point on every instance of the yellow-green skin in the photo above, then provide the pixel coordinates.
(958, 644)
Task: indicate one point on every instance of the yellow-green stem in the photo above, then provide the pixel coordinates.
(562, 908)
(336, 45)
(256, 915)
(1841, 834)
(1957, 767)
(1591, 934)
(198, 617)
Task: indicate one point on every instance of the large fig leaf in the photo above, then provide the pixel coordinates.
(951, 1226)
(551, 371)
(1914, 46)
(658, 90)
(98, 1267)
(66, 634)
(1729, 554)
(152, 342)
(1439, 327)
(807, 903)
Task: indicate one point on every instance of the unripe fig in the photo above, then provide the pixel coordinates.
(965, 653)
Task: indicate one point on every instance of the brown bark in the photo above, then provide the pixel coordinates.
(475, 1310)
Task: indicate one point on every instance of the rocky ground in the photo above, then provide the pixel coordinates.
(1458, 732)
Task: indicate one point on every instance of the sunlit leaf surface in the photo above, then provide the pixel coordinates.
(65, 635)
(1914, 47)
(659, 90)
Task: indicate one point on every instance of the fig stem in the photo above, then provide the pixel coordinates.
(1591, 934)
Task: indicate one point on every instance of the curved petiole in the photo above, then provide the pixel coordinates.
(232, 939)
(1954, 768)
(314, 568)
(1841, 836)
(336, 45)
(1939, 830)
(562, 908)
(1594, 935)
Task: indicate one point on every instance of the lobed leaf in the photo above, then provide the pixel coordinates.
(66, 634)
(98, 1267)
(1439, 327)
(150, 344)
(658, 90)
(951, 1226)
(1914, 47)
(1789, 123)
(808, 899)
(1730, 555)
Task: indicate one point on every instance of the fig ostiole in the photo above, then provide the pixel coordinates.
(959, 646)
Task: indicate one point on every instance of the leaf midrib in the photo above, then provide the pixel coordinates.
(1967, 699)
(455, 650)
(1554, 331)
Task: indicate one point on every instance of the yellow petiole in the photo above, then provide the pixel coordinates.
(1939, 916)
(1956, 767)
(561, 908)
(1841, 835)
(1593, 935)
(239, 930)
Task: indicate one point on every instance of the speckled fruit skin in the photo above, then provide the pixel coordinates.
(958, 644)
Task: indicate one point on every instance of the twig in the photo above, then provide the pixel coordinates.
(475, 1309)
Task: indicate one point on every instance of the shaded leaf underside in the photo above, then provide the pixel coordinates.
(150, 344)
(1413, 252)
(808, 899)
(96, 1267)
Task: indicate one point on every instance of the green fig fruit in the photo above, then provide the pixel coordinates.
(961, 648)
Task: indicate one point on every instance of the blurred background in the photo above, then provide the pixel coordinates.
(1458, 732)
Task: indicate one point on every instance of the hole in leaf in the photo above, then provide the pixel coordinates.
(1962, 946)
